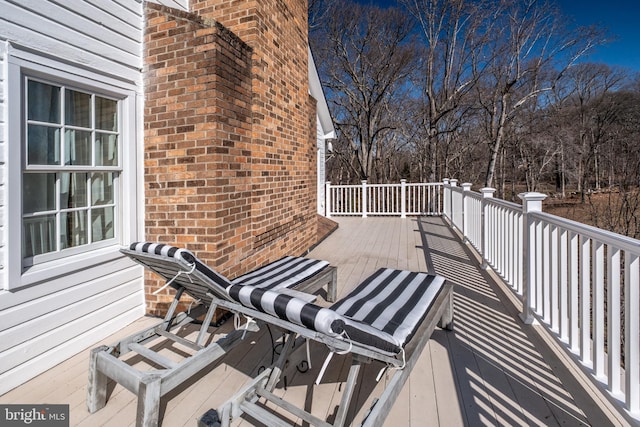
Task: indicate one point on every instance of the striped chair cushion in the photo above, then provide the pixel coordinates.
(385, 310)
(284, 273)
(382, 313)
(287, 272)
(285, 307)
(213, 282)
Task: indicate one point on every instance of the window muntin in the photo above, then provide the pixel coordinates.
(71, 169)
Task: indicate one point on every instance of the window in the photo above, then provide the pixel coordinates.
(71, 168)
(71, 153)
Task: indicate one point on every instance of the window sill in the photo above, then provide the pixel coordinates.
(64, 266)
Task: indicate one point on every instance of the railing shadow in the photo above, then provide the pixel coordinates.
(501, 377)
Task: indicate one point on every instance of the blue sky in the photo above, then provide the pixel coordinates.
(620, 17)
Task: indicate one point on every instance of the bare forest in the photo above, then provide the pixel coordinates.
(497, 93)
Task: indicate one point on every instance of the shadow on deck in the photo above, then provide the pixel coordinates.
(491, 370)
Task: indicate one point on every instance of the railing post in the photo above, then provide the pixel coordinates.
(327, 199)
(487, 193)
(466, 187)
(531, 202)
(364, 198)
(403, 198)
(454, 183)
(446, 199)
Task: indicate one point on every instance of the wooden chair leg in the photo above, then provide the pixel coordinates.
(97, 387)
(446, 321)
(332, 288)
(148, 410)
(345, 402)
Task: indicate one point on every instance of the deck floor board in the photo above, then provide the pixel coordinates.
(486, 372)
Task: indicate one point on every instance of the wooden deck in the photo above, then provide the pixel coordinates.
(492, 370)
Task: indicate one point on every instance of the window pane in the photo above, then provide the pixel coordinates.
(106, 114)
(77, 145)
(102, 224)
(43, 145)
(39, 192)
(101, 189)
(73, 190)
(73, 229)
(77, 108)
(43, 102)
(106, 149)
(38, 235)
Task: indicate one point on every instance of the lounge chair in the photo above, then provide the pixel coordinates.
(389, 317)
(184, 272)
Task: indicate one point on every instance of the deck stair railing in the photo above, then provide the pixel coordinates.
(580, 282)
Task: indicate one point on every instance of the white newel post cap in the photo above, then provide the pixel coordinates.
(532, 202)
(466, 186)
(446, 181)
(487, 192)
(454, 182)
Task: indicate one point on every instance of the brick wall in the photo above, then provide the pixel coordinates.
(229, 133)
(284, 119)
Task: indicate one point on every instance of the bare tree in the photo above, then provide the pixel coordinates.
(365, 58)
(319, 12)
(453, 32)
(589, 83)
(530, 49)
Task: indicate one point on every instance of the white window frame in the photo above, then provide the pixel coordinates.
(21, 63)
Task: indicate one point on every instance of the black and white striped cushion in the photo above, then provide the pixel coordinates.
(385, 310)
(284, 273)
(285, 307)
(382, 313)
(183, 261)
(287, 272)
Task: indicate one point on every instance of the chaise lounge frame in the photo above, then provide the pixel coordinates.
(262, 386)
(105, 361)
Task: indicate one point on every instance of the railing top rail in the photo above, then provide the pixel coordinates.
(504, 204)
(383, 185)
(424, 184)
(414, 184)
(473, 195)
(608, 237)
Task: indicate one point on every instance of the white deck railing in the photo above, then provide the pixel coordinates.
(384, 199)
(580, 282)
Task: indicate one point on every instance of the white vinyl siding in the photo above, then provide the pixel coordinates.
(321, 149)
(3, 151)
(60, 306)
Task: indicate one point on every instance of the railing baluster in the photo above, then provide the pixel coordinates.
(598, 309)
(563, 261)
(546, 273)
(632, 332)
(538, 284)
(574, 295)
(554, 260)
(613, 319)
(585, 298)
